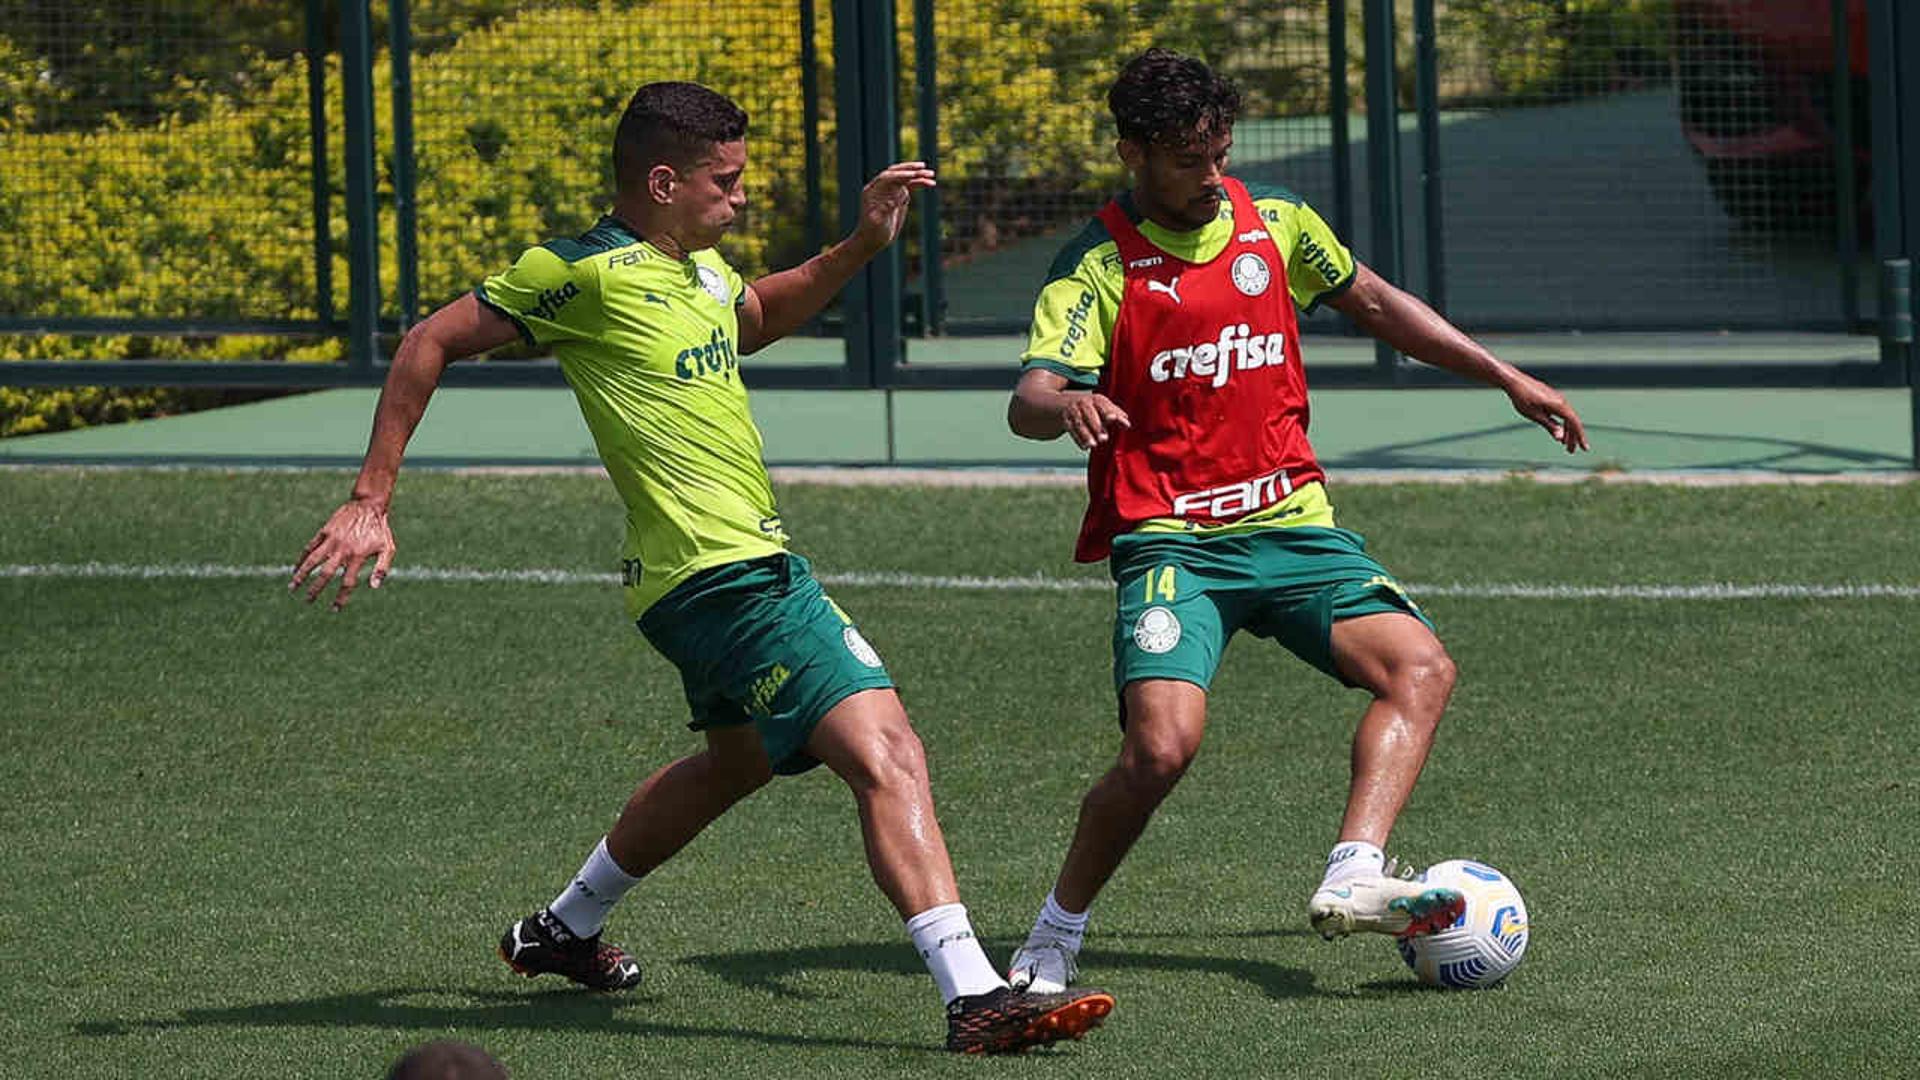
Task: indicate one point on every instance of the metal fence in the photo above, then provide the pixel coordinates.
(174, 173)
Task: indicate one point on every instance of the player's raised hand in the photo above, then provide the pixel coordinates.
(356, 532)
(1090, 418)
(1545, 406)
(883, 203)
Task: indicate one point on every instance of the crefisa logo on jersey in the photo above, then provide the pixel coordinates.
(1250, 274)
(550, 301)
(716, 357)
(1237, 348)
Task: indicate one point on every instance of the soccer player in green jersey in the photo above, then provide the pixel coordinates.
(648, 323)
(1166, 344)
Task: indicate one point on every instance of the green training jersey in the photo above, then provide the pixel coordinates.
(649, 344)
(1074, 317)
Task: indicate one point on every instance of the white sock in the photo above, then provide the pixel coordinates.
(1350, 858)
(583, 905)
(1058, 925)
(944, 939)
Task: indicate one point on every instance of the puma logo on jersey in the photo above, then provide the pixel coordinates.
(1169, 287)
(1235, 500)
(1236, 349)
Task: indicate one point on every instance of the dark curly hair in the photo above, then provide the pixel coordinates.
(672, 123)
(1165, 98)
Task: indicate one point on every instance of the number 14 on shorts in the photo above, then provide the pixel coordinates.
(1160, 584)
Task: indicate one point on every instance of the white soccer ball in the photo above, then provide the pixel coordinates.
(1484, 943)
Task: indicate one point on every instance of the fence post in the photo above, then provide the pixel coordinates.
(1339, 105)
(406, 224)
(1846, 209)
(317, 124)
(363, 244)
(816, 228)
(887, 273)
(864, 76)
(933, 286)
(856, 301)
(1383, 161)
(1427, 78)
(1905, 47)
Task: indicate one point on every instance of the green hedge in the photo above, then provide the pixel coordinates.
(191, 199)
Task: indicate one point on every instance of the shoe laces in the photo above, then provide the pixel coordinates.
(1400, 870)
(1068, 960)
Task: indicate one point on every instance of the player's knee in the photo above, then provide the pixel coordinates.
(1151, 770)
(891, 757)
(1424, 680)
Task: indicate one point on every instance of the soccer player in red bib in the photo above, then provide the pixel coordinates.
(1166, 344)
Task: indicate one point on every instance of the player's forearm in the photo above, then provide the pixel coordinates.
(403, 401)
(1405, 322)
(790, 297)
(1037, 413)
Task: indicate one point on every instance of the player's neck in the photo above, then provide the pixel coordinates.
(1154, 212)
(651, 228)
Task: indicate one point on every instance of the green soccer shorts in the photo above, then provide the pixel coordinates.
(1182, 597)
(759, 642)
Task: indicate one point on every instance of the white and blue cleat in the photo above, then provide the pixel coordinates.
(1384, 903)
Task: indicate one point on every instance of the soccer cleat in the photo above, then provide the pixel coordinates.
(1042, 967)
(1002, 1021)
(1391, 902)
(541, 944)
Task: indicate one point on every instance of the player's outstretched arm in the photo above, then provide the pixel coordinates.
(1403, 321)
(1043, 408)
(778, 304)
(358, 530)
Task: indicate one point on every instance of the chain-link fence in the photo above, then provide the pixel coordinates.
(177, 169)
(514, 116)
(156, 164)
(1648, 164)
(1640, 164)
(1026, 145)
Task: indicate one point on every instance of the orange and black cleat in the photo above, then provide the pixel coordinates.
(1005, 1021)
(541, 944)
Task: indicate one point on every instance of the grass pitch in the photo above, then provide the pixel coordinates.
(246, 838)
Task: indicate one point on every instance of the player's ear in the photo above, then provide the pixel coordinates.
(660, 182)
(1132, 154)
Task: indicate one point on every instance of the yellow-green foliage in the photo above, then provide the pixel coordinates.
(514, 125)
(1554, 48)
(209, 217)
(194, 201)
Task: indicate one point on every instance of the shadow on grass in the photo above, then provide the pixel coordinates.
(443, 1008)
(1756, 451)
(774, 971)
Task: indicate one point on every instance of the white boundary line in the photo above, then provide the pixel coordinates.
(903, 580)
(1073, 475)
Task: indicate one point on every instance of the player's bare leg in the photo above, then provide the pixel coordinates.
(867, 741)
(664, 814)
(1402, 664)
(1166, 719)
(673, 805)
